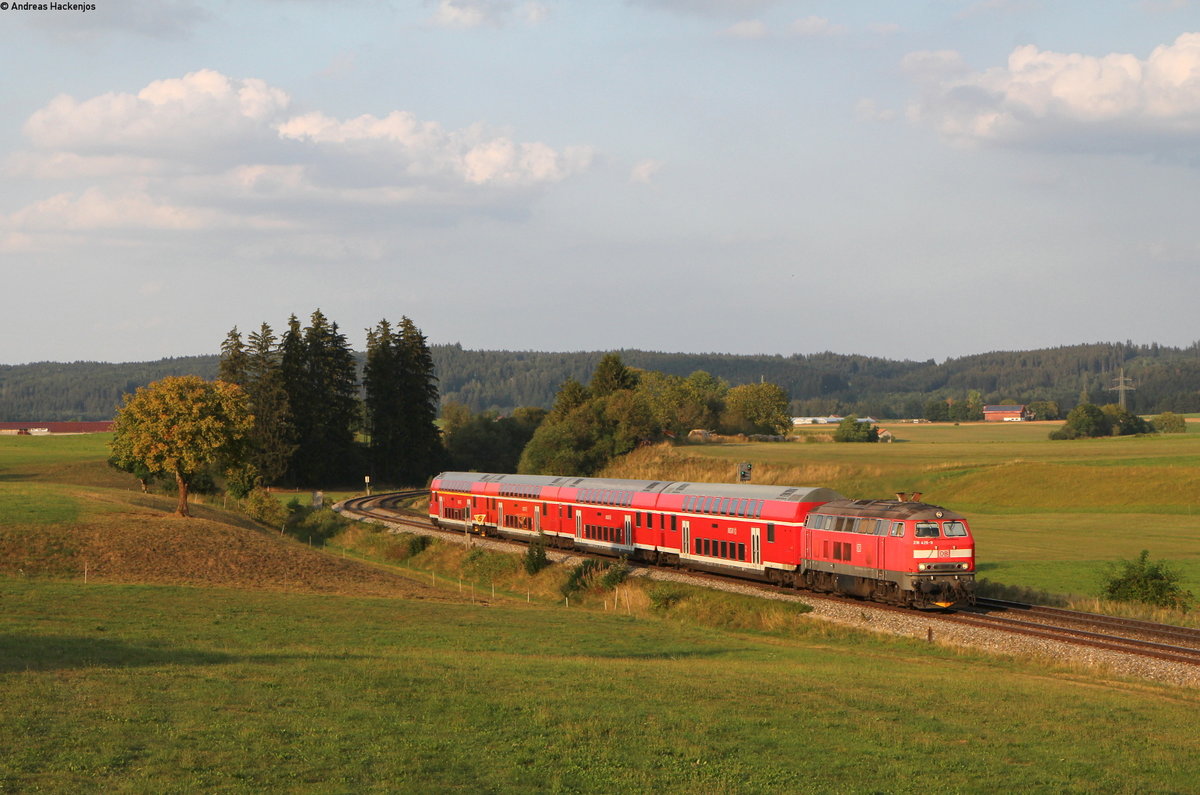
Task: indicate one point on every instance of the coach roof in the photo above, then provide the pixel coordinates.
(666, 487)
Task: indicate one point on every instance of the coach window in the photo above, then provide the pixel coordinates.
(927, 530)
(771, 534)
(672, 523)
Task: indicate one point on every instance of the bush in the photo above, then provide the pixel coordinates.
(1085, 420)
(418, 544)
(535, 556)
(577, 580)
(665, 596)
(241, 480)
(1146, 582)
(1169, 422)
(265, 509)
(851, 430)
(616, 574)
(1124, 422)
(313, 526)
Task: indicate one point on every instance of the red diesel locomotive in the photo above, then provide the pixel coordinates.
(896, 551)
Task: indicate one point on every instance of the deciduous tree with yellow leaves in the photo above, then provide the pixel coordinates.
(180, 426)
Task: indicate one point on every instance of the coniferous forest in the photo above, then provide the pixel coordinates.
(1164, 379)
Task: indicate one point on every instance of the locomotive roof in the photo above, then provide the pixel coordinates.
(889, 509)
(742, 490)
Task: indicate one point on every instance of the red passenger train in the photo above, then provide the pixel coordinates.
(902, 552)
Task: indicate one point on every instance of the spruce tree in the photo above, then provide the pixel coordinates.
(293, 375)
(273, 434)
(418, 383)
(327, 452)
(234, 361)
(383, 403)
(320, 376)
(401, 404)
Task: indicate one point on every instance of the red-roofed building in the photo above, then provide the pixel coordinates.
(1007, 413)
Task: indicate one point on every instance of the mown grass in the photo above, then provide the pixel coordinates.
(141, 688)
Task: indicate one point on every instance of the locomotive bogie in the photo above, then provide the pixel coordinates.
(892, 551)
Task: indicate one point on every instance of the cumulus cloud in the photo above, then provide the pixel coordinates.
(202, 109)
(478, 13)
(209, 151)
(156, 19)
(643, 172)
(806, 28)
(816, 27)
(1114, 102)
(94, 209)
(747, 29)
(712, 7)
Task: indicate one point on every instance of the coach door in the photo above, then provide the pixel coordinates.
(685, 546)
(578, 523)
(628, 531)
(755, 546)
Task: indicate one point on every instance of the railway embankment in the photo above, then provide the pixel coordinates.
(1058, 649)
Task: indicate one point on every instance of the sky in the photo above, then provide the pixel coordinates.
(915, 180)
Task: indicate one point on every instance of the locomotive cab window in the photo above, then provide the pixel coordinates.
(954, 529)
(898, 529)
(927, 530)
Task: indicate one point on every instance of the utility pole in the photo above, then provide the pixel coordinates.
(1123, 385)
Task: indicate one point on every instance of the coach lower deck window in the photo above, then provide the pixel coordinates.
(771, 534)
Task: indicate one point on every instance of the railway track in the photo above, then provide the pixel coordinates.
(1109, 633)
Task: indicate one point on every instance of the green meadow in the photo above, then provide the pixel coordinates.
(146, 686)
(173, 689)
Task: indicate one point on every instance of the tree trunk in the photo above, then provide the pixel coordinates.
(182, 508)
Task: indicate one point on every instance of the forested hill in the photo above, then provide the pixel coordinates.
(1164, 379)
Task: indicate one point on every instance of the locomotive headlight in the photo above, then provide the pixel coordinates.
(921, 566)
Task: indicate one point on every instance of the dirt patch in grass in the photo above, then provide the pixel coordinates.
(139, 548)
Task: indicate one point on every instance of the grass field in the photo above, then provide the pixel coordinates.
(143, 653)
(155, 689)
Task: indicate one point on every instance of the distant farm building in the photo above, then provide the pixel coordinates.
(43, 428)
(1007, 413)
